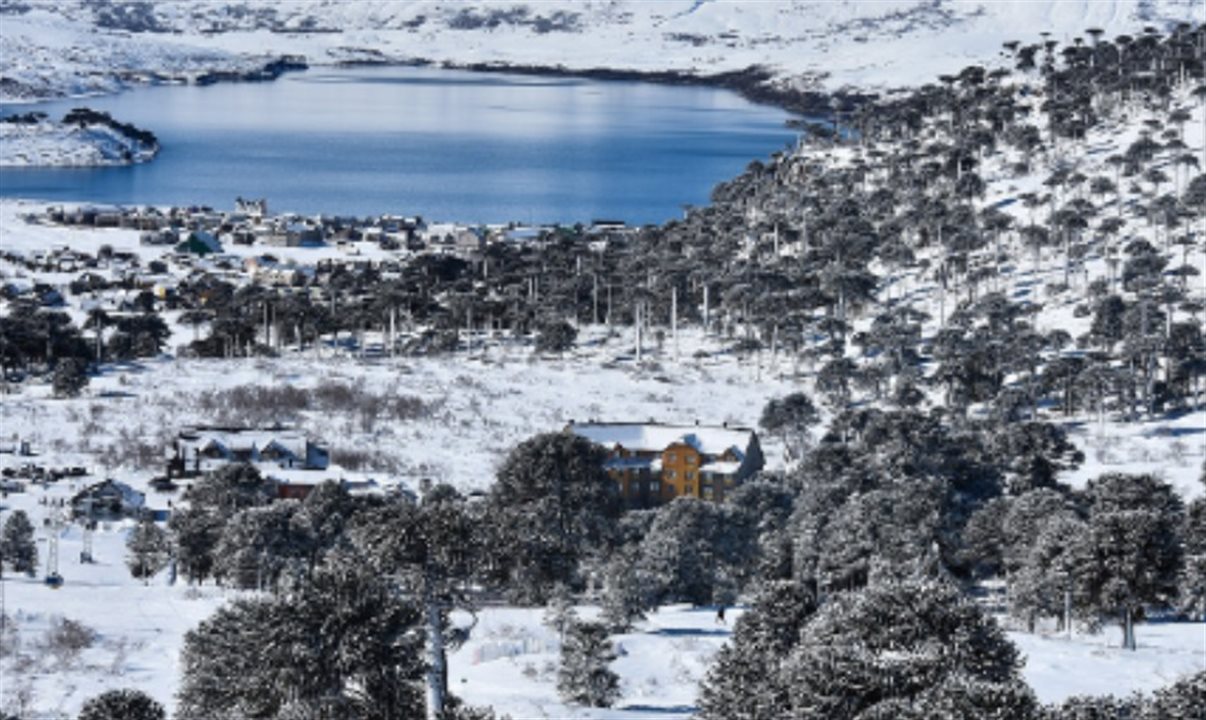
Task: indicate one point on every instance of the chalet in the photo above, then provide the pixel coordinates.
(200, 450)
(653, 463)
(108, 500)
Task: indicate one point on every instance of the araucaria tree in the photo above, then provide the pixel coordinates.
(552, 506)
(17, 547)
(1130, 556)
(746, 681)
(149, 550)
(585, 677)
(901, 650)
(342, 646)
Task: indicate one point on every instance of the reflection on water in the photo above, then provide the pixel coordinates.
(438, 143)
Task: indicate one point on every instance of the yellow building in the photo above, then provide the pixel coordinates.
(653, 463)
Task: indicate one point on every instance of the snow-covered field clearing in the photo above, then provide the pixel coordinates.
(510, 661)
(481, 409)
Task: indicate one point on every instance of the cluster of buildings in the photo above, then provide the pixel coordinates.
(205, 231)
(651, 463)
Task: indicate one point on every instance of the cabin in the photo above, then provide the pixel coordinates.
(203, 449)
(653, 463)
(107, 501)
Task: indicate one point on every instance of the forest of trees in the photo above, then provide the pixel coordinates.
(927, 454)
(877, 518)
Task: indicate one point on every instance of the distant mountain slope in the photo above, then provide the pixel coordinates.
(56, 47)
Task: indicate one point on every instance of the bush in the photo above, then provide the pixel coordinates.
(66, 639)
(70, 377)
(124, 704)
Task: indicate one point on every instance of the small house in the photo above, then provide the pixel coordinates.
(108, 500)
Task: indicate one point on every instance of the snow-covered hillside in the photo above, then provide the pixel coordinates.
(45, 144)
(62, 47)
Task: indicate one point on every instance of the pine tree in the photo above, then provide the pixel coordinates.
(1105, 707)
(1192, 581)
(1131, 551)
(552, 505)
(17, 546)
(791, 418)
(342, 639)
(745, 682)
(1183, 700)
(559, 613)
(125, 704)
(893, 646)
(584, 677)
(1039, 587)
(261, 544)
(149, 550)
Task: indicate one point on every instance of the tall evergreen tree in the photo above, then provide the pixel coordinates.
(343, 639)
(585, 677)
(920, 647)
(149, 550)
(17, 546)
(552, 506)
(1130, 554)
(746, 682)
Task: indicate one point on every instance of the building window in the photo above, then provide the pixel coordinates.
(671, 475)
(690, 475)
(670, 457)
(655, 486)
(707, 493)
(728, 481)
(690, 459)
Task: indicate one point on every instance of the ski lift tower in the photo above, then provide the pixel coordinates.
(88, 525)
(55, 522)
(86, 551)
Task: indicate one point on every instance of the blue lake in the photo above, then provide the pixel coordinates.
(443, 144)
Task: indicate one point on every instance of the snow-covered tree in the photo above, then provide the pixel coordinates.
(559, 613)
(124, 704)
(1097, 707)
(17, 547)
(1045, 581)
(149, 550)
(70, 377)
(914, 645)
(585, 676)
(260, 545)
(431, 550)
(212, 501)
(746, 682)
(342, 639)
(551, 506)
(1183, 700)
(1192, 582)
(791, 419)
(1131, 551)
(694, 552)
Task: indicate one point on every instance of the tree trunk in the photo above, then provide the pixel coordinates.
(1128, 630)
(437, 676)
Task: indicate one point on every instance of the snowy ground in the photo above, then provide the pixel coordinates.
(47, 144)
(509, 662)
(55, 47)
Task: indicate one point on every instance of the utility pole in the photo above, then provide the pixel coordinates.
(674, 319)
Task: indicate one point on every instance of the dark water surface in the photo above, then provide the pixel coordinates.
(443, 144)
